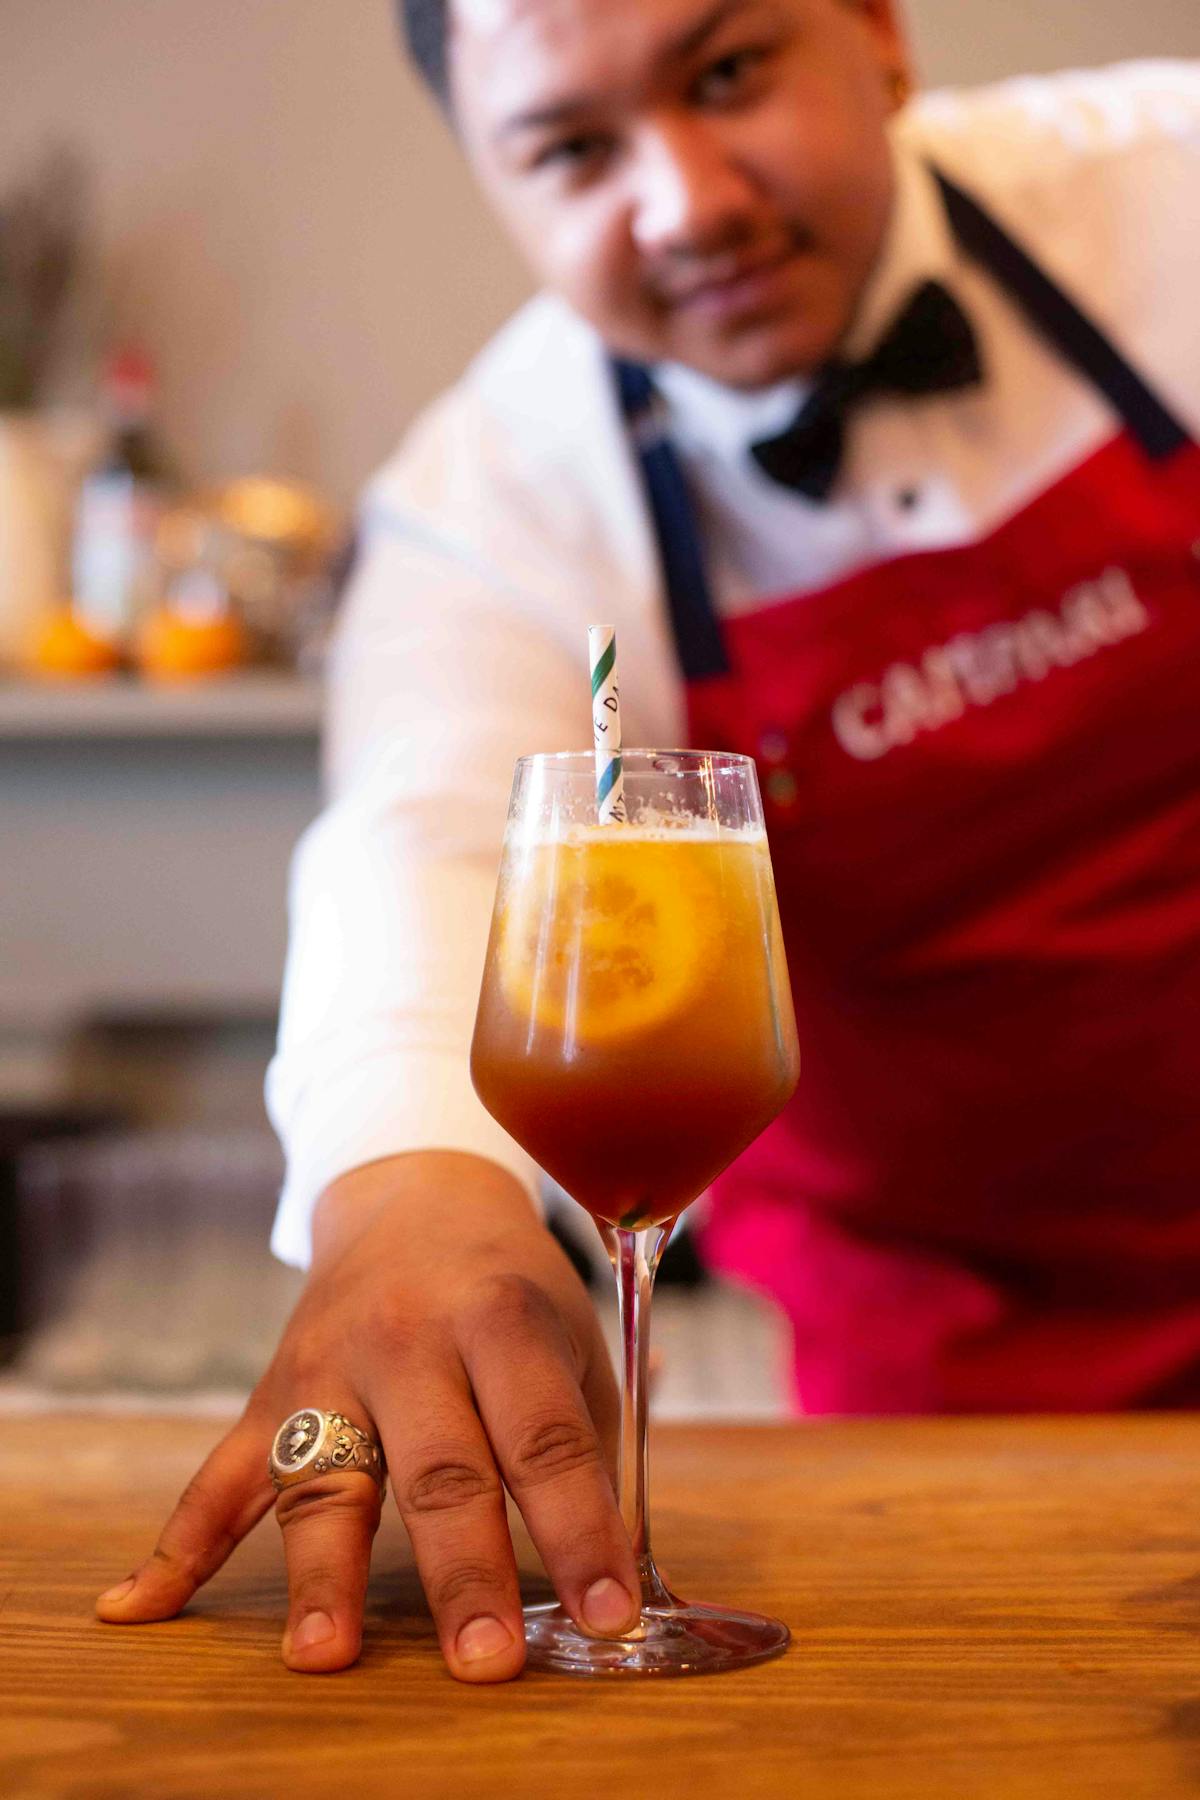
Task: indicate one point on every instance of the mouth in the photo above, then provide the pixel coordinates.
(733, 286)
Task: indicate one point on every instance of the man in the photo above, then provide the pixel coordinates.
(954, 614)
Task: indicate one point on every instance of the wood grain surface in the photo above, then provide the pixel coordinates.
(980, 1610)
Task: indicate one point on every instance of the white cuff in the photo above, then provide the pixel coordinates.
(386, 1105)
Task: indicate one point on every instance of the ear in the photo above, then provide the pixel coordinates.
(884, 23)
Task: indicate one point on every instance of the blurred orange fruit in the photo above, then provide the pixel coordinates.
(61, 648)
(170, 646)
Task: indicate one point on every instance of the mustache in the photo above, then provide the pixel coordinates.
(689, 267)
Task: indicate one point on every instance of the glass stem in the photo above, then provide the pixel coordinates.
(635, 1257)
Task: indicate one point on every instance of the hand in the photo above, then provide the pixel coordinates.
(441, 1316)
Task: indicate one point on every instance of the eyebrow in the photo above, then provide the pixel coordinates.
(678, 48)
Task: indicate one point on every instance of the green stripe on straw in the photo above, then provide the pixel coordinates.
(603, 668)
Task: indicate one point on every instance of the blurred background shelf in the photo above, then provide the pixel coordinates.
(150, 831)
(263, 704)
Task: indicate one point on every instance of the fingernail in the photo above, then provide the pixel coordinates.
(607, 1606)
(314, 1628)
(119, 1592)
(482, 1638)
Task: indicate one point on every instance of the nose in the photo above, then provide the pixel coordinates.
(691, 196)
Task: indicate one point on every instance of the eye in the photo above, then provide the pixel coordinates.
(578, 154)
(728, 77)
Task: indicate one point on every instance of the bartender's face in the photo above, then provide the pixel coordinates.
(706, 181)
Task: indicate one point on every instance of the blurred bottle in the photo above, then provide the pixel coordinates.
(121, 501)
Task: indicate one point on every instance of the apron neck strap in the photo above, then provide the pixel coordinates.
(1065, 325)
(699, 645)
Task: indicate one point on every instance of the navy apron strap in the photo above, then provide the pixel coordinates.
(699, 645)
(1058, 318)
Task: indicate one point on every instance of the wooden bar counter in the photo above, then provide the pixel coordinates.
(979, 1609)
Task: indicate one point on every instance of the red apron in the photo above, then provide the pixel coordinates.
(981, 768)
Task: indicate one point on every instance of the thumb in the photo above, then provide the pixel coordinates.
(224, 1500)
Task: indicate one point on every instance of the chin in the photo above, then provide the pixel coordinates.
(756, 350)
(761, 353)
(750, 366)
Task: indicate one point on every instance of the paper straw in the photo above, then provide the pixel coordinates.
(606, 724)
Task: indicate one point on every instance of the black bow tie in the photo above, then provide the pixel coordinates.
(930, 349)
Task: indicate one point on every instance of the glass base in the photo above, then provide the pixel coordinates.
(672, 1638)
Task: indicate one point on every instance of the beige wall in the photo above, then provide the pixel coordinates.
(283, 220)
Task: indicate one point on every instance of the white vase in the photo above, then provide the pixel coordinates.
(34, 513)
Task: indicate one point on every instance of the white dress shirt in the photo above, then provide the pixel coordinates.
(512, 517)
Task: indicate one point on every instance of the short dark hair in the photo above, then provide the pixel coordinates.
(424, 24)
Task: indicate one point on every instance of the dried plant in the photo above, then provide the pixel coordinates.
(41, 232)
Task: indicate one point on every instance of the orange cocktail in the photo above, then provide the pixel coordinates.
(634, 1033)
(635, 1029)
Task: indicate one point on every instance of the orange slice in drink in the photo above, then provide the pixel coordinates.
(607, 938)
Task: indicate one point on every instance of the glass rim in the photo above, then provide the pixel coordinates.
(586, 759)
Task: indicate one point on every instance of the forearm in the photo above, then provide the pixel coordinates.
(392, 888)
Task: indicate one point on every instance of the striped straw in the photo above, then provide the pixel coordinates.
(606, 724)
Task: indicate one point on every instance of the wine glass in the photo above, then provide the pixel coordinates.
(635, 1032)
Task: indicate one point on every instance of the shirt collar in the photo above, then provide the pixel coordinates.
(707, 418)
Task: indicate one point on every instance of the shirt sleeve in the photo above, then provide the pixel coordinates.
(439, 680)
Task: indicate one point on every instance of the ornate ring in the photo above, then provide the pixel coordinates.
(311, 1443)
